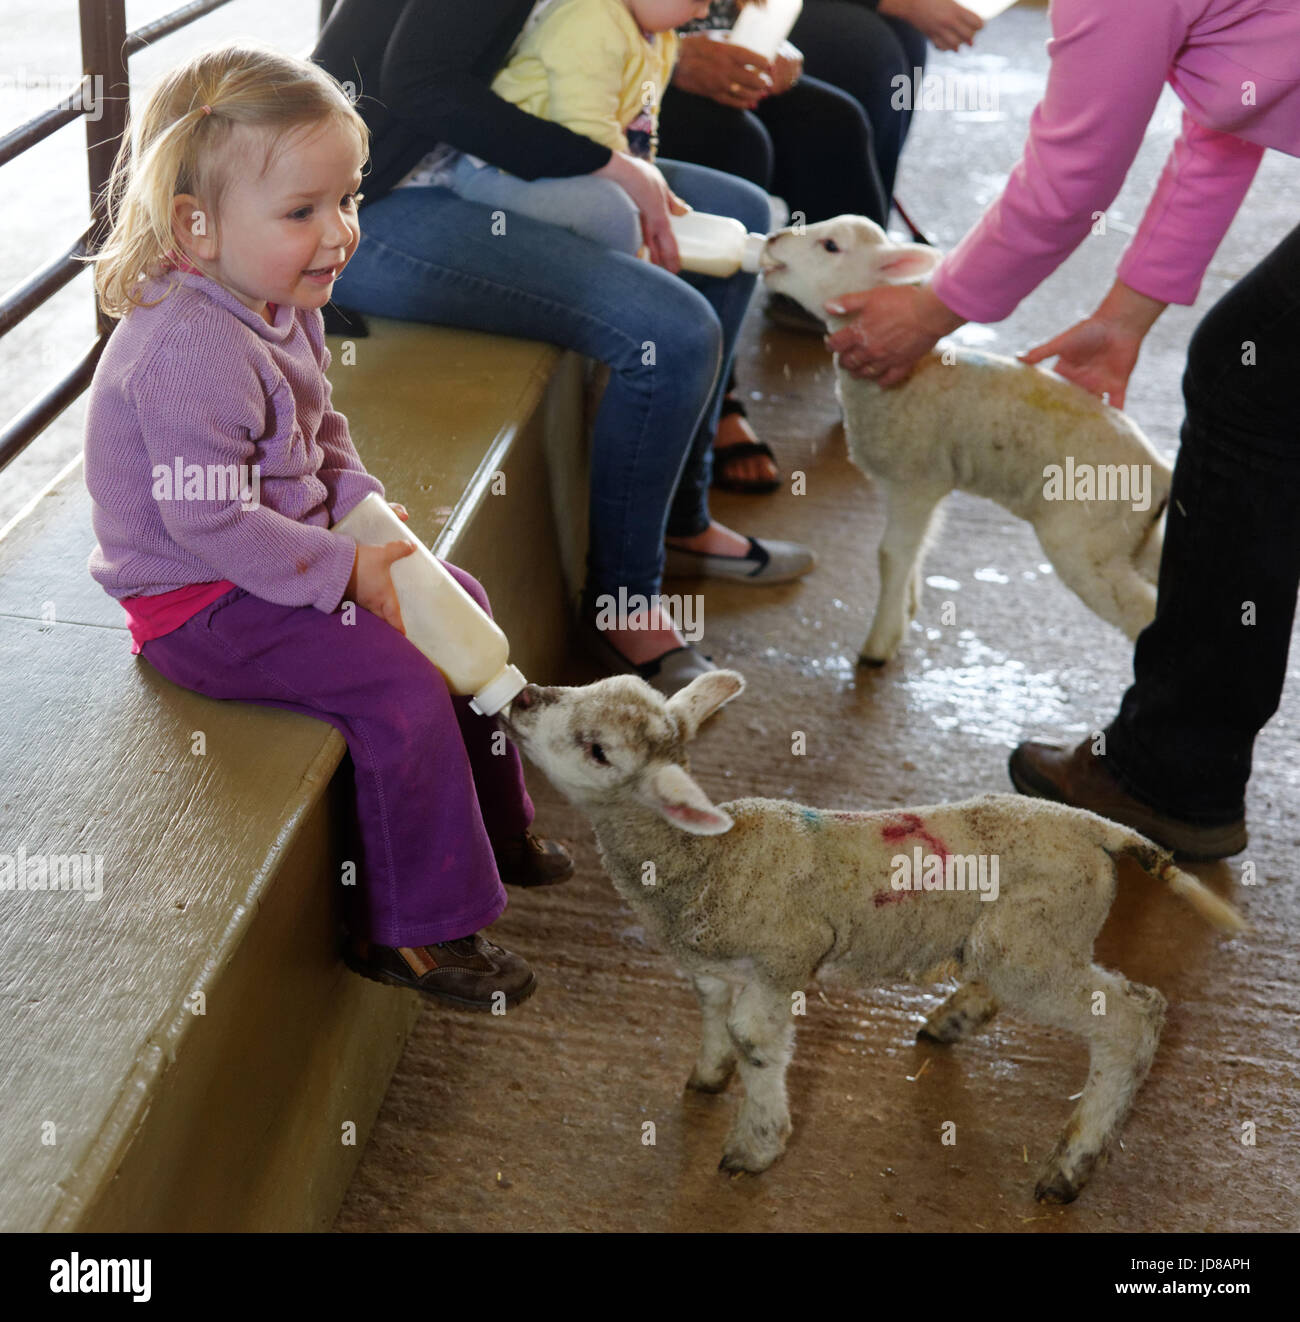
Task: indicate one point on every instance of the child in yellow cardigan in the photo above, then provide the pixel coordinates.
(599, 67)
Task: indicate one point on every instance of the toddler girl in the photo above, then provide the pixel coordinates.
(217, 468)
(599, 67)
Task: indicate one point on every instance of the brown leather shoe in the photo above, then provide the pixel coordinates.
(1080, 778)
(528, 860)
(470, 971)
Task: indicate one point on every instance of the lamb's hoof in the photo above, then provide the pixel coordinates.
(741, 1163)
(874, 662)
(754, 1147)
(1057, 1188)
(947, 1026)
(926, 1034)
(704, 1083)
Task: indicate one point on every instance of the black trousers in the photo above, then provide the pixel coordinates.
(848, 44)
(812, 145)
(830, 144)
(1209, 669)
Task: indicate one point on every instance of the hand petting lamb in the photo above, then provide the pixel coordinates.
(756, 897)
(1080, 471)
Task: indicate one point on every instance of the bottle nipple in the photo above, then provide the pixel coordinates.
(500, 690)
(752, 254)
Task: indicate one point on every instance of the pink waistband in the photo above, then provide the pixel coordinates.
(151, 617)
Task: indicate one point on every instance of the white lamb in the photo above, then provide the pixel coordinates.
(1080, 471)
(755, 898)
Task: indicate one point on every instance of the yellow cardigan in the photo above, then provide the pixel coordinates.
(585, 64)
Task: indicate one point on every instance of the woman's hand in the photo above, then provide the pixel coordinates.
(787, 68)
(945, 22)
(896, 326)
(399, 510)
(722, 71)
(1100, 352)
(371, 584)
(643, 183)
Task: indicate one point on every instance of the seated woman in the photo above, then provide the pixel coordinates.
(425, 75)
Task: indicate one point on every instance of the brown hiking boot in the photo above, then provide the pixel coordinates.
(470, 971)
(528, 860)
(1080, 778)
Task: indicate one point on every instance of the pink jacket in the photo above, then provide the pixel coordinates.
(1235, 65)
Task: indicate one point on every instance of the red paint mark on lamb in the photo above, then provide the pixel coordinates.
(881, 898)
(910, 824)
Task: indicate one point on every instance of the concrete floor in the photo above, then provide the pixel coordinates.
(534, 1120)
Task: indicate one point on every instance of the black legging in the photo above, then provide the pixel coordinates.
(847, 44)
(1210, 667)
(830, 144)
(812, 146)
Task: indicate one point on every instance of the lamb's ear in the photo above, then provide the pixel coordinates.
(900, 263)
(672, 793)
(694, 704)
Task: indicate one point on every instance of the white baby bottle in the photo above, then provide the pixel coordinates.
(987, 8)
(762, 28)
(441, 618)
(716, 245)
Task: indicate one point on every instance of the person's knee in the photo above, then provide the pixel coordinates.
(749, 153)
(687, 347)
(698, 130)
(471, 585)
(610, 217)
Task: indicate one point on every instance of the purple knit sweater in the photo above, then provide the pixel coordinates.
(200, 379)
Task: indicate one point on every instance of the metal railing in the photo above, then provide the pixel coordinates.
(106, 46)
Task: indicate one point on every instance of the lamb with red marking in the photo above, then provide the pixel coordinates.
(756, 897)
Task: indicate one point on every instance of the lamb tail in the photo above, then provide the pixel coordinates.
(1160, 864)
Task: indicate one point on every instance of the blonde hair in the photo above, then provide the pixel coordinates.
(182, 144)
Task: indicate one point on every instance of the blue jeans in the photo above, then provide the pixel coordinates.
(428, 255)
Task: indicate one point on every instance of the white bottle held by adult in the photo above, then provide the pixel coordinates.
(440, 617)
(763, 27)
(987, 9)
(716, 245)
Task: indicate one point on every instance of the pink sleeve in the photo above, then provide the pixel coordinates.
(1110, 59)
(1207, 175)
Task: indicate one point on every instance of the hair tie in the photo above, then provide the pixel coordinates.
(207, 110)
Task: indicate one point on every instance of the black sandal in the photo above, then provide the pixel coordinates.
(726, 457)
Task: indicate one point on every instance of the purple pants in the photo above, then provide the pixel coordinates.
(430, 792)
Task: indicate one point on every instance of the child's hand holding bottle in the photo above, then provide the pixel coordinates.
(371, 584)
